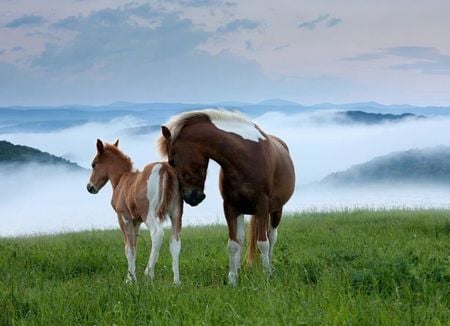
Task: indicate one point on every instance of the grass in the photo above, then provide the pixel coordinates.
(358, 268)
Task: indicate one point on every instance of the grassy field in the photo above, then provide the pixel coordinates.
(358, 268)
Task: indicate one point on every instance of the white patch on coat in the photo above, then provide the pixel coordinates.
(153, 185)
(154, 225)
(247, 130)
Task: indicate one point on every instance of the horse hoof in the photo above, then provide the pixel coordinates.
(232, 279)
(149, 273)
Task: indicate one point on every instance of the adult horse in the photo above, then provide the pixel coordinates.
(150, 196)
(257, 174)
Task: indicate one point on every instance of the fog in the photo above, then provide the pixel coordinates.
(43, 199)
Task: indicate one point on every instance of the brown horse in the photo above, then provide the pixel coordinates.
(149, 196)
(257, 174)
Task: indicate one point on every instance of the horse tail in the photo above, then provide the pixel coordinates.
(164, 195)
(252, 236)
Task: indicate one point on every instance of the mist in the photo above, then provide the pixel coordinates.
(46, 199)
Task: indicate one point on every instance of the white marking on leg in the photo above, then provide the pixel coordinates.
(233, 249)
(175, 247)
(263, 247)
(130, 253)
(273, 236)
(157, 235)
(245, 129)
(240, 235)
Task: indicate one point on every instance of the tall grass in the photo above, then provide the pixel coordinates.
(360, 268)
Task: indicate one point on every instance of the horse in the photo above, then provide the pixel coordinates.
(149, 197)
(257, 175)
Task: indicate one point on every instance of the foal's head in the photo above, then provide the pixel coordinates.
(191, 164)
(108, 161)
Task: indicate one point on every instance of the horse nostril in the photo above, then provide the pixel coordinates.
(90, 188)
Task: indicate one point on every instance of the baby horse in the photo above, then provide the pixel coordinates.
(149, 196)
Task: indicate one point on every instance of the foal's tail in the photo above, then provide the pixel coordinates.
(251, 236)
(164, 195)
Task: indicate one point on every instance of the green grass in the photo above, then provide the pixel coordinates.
(358, 268)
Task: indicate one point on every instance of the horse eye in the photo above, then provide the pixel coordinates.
(172, 163)
(93, 165)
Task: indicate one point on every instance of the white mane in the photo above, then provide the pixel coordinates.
(177, 122)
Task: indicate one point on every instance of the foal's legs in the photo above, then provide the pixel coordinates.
(130, 231)
(157, 234)
(175, 245)
(275, 218)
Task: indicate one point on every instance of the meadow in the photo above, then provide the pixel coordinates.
(355, 267)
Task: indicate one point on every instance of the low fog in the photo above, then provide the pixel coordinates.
(43, 199)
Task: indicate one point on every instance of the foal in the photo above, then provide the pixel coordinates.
(149, 196)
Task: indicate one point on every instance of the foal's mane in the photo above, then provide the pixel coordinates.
(176, 123)
(117, 151)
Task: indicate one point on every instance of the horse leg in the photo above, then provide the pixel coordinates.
(157, 234)
(175, 245)
(275, 218)
(130, 231)
(240, 236)
(234, 247)
(262, 219)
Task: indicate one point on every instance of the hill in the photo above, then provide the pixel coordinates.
(18, 154)
(369, 118)
(429, 165)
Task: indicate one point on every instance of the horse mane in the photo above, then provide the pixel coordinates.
(177, 122)
(117, 151)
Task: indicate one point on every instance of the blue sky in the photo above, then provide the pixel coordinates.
(98, 52)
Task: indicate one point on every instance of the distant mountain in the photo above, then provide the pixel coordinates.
(48, 119)
(18, 154)
(429, 165)
(277, 102)
(351, 117)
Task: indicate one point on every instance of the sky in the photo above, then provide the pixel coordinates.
(207, 51)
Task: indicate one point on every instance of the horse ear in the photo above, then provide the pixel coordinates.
(100, 147)
(166, 132)
(116, 143)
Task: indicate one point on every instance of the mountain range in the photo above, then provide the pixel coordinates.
(48, 119)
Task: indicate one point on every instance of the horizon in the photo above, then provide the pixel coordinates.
(229, 103)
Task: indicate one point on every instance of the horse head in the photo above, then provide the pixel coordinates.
(191, 163)
(99, 176)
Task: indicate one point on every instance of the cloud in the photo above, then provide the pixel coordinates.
(427, 60)
(111, 37)
(239, 24)
(203, 3)
(334, 22)
(281, 47)
(326, 20)
(26, 21)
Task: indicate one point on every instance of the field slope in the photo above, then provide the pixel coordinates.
(378, 268)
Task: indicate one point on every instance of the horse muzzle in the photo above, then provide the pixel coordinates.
(91, 189)
(193, 197)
